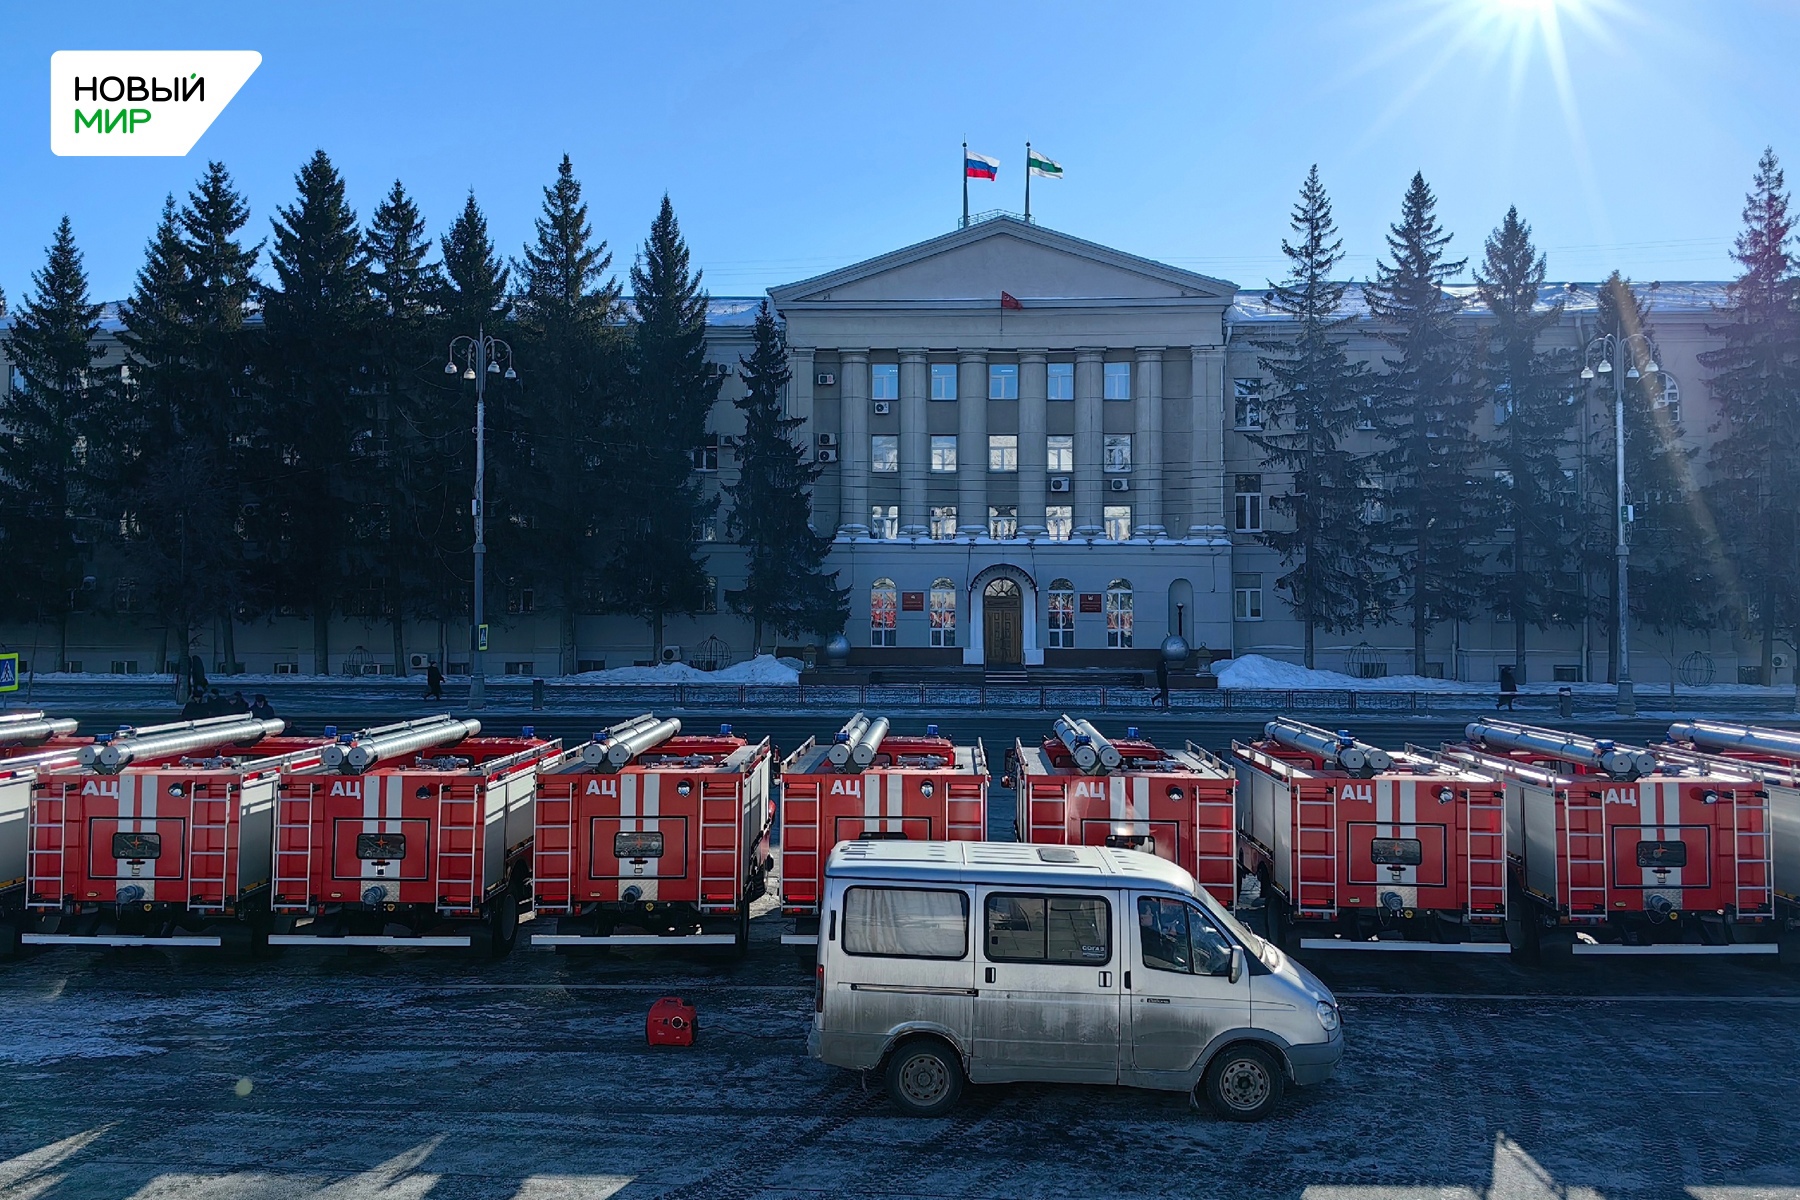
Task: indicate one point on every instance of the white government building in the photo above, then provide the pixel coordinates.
(1062, 480)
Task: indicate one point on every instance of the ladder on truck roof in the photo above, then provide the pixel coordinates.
(200, 899)
(1484, 851)
(291, 887)
(553, 852)
(721, 840)
(1585, 847)
(459, 844)
(44, 862)
(1753, 858)
(1315, 873)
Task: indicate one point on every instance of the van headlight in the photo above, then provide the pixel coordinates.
(1328, 1015)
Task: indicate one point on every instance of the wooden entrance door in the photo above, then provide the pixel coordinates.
(1003, 624)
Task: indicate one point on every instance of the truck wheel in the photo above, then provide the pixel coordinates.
(924, 1078)
(9, 941)
(503, 925)
(1244, 1084)
(741, 946)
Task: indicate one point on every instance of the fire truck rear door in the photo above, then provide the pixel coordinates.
(1047, 986)
(1181, 994)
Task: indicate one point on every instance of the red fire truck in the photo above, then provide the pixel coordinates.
(1081, 788)
(1628, 850)
(1367, 849)
(871, 783)
(156, 836)
(416, 834)
(29, 741)
(650, 837)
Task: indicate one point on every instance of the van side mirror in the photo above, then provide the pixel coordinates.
(1237, 963)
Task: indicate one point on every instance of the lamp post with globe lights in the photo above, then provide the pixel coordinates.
(480, 356)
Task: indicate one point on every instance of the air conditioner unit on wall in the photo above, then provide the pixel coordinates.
(418, 662)
(883, 407)
(671, 654)
(825, 379)
(1120, 485)
(1059, 484)
(828, 439)
(827, 456)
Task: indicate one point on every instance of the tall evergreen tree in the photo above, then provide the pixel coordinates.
(655, 570)
(560, 481)
(1756, 383)
(1533, 391)
(1424, 411)
(1308, 417)
(318, 392)
(771, 506)
(50, 442)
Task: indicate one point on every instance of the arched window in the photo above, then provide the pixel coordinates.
(1062, 615)
(1118, 615)
(1666, 399)
(884, 614)
(943, 613)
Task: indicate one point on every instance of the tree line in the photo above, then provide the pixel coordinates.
(290, 443)
(1438, 516)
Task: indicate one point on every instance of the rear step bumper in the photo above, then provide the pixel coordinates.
(632, 939)
(1675, 948)
(371, 939)
(1416, 947)
(799, 939)
(116, 939)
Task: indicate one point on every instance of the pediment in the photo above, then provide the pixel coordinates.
(974, 265)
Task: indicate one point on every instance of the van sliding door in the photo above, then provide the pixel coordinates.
(1047, 987)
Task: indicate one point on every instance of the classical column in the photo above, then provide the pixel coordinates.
(1034, 444)
(853, 445)
(1147, 445)
(971, 443)
(1206, 460)
(915, 446)
(1089, 381)
(800, 404)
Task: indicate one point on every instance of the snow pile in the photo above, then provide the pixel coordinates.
(763, 668)
(1271, 674)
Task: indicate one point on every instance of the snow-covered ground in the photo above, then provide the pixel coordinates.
(761, 669)
(1256, 671)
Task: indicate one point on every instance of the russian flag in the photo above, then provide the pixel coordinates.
(980, 166)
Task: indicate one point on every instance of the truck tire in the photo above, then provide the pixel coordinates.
(9, 941)
(740, 947)
(503, 924)
(1244, 1083)
(924, 1078)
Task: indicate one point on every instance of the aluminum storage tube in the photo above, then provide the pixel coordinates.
(334, 756)
(593, 753)
(1109, 756)
(1351, 755)
(869, 744)
(1080, 746)
(362, 754)
(114, 756)
(645, 737)
(14, 732)
(846, 740)
(1571, 748)
(1720, 735)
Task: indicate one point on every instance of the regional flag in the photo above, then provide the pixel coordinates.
(1042, 167)
(980, 166)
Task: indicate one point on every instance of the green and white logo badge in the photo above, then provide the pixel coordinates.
(141, 103)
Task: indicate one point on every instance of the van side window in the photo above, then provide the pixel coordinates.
(906, 923)
(1178, 937)
(1067, 930)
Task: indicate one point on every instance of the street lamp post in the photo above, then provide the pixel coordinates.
(480, 357)
(1610, 346)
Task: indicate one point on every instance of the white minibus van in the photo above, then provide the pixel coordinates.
(991, 962)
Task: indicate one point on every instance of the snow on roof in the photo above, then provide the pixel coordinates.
(1682, 296)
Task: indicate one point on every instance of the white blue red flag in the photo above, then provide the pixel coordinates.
(980, 166)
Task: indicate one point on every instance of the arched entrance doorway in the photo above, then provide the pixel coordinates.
(1003, 623)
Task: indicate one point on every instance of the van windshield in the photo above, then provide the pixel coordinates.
(1238, 929)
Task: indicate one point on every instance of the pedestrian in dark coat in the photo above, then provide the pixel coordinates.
(434, 683)
(1509, 689)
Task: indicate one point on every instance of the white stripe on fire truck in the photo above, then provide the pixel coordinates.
(1115, 798)
(896, 803)
(870, 783)
(1137, 806)
(652, 810)
(1408, 816)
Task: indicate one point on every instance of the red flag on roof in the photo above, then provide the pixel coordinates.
(1008, 300)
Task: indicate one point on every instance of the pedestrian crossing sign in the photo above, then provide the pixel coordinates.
(9, 672)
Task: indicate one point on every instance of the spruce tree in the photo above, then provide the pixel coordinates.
(1308, 415)
(1533, 391)
(52, 447)
(558, 481)
(655, 569)
(319, 399)
(1755, 491)
(771, 506)
(1424, 412)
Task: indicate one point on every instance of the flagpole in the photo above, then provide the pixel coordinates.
(965, 175)
(1028, 183)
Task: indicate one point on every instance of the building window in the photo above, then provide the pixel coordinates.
(1246, 407)
(1116, 448)
(1666, 401)
(1003, 521)
(1365, 412)
(1503, 403)
(520, 599)
(943, 613)
(1059, 521)
(1118, 615)
(706, 529)
(1060, 450)
(884, 522)
(706, 454)
(884, 452)
(1003, 452)
(884, 381)
(1246, 590)
(709, 603)
(943, 521)
(1003, 382)
(1062, 615)
(884, 614)
(943, 381)
(125, 597)
(943, 453)
(1118, 381)
(1117, 520)
(1248, 508)
(1062, 381)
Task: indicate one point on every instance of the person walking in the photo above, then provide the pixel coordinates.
(261, 709)
(1509, 690)
(434, 683)
(1162, 682)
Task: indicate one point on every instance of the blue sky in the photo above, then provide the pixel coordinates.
(795, 138)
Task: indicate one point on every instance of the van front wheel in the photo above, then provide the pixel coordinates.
(924, 1079)
(1244, 1083)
